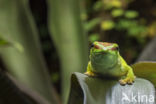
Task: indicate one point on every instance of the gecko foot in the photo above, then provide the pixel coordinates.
(127, 80)
(89, 73)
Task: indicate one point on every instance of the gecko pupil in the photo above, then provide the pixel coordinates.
(92, 45)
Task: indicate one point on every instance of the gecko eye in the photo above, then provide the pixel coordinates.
(115, 48)
(92, 45)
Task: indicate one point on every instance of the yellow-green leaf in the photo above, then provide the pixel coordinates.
(117, 12)
(131, 14)
(145, 70)
(107, 25)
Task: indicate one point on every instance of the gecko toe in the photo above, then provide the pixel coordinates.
(128, 81)
(122, 82)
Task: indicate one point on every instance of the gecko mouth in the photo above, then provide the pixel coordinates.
(104, 60)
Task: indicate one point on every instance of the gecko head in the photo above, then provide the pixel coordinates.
(104, 54)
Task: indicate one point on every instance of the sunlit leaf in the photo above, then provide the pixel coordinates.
(107, 25)
(109, 4)
(116, 3)
(117, 12)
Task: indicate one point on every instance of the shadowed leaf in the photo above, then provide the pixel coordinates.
(12, 92)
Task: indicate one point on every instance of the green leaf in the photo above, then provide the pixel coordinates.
(94, 90)
(131, 14)
(109, 4)
(136, 30)
(18, 27)
(14, 92)
(145, 70)
(125, 24)
(92, 23)
(10, 93)
(3, 42)
(69, 36)
(116, 3)
(98, 5)
(107, 25)
(94, 37)
(117, 12)
(55, 77)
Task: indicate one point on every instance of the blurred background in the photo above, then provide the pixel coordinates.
(130, 23)
(68, 26)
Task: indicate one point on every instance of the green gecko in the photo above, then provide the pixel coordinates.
(105, 60)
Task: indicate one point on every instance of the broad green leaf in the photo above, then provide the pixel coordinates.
(93, 90)
(66, 30)
(145, 70)
(18, 27)
(92, 23)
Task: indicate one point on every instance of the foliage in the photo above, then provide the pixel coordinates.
(3, 42)
(14, 92)
(119, 20)
(95, 90)
(67, 32)
(105, 20)
(19, 30)
(6, 43)
(146, 70)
